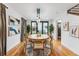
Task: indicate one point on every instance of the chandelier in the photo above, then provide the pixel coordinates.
(38, 15)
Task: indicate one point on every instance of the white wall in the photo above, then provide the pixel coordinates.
(55, 30)
(47, 10)
(13, 40)
(67, 40)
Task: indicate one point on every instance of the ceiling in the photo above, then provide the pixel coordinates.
(47, 10)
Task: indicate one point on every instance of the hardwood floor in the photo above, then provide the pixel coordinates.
(18, 50)
(59, 50)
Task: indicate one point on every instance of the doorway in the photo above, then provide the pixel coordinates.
(45, 25)
(34, 27)
(23, 28)
(59, 30)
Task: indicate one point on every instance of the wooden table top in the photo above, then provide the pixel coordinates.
(41, 37)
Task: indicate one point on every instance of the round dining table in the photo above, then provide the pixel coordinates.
(34, 38)
(40, 37)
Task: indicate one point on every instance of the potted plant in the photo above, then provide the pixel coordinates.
(38, 33)
(28, 29)
(51, 28)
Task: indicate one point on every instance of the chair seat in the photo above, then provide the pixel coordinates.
(38, 46)
(29, 46)
(48, 46)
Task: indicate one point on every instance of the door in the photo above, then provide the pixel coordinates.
(59, 30)
(40, 27)
(34, 27)
(45, 27)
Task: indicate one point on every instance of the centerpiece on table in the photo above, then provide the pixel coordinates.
(38, 34)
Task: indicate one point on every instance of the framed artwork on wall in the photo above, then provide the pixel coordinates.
(13, 26)
(74, 31)
(66, 26)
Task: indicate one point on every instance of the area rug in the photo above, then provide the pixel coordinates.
(31, 52)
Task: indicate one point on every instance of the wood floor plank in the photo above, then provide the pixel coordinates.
(60, 50)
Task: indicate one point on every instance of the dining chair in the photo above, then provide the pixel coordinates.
(38, 46)
(29, 47)
(49, 44)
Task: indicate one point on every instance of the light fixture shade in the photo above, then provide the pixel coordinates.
(38, 10)
(38, 19)
(38, 15)
(59, 20)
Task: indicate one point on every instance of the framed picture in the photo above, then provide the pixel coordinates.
(74, 31)
(13, 26)
(66, 26)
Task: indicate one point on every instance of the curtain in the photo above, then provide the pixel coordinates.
(2, 29)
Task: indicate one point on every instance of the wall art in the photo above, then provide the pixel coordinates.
(13, 26)
(66, 26)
